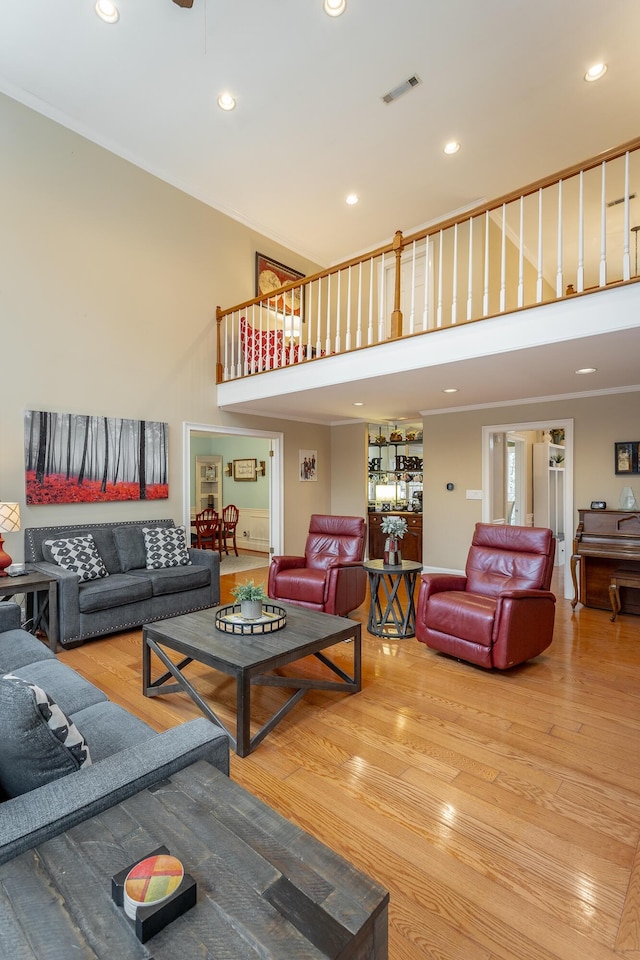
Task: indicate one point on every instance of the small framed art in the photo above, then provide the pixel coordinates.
(245, 469)
(626, 457)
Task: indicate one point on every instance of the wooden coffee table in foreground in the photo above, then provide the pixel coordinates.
(265, 888)
(251, 660)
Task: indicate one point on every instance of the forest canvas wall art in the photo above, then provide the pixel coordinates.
(76, 458)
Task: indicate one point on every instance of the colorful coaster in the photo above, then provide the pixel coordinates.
(151, 881)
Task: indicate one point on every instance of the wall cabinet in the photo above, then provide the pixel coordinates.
(208, 483)
(548, 492)
(411, 543)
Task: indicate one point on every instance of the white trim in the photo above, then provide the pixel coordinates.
(276, 491)
(567, 425)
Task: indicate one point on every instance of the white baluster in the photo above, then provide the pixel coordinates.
(359, 327)
(454, 291)
(339, 315)
(347, 343)
(470, 272)
(327, 345)
(413, 287)
(381, 305)
(540, 283)
(439, 309)
(626, 257)
(485, 293)
(503, 261)
(370, 327)
(603, 227)
(319, 322)
(425, 312)
(580, 273)
(559, 283)
(521, 256)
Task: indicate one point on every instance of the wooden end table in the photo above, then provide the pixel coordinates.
(393, 620)
(44, 615)
(265, 887)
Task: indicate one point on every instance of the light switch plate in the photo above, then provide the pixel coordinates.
(474, 494)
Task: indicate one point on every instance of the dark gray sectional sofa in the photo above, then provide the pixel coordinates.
(126, 754)
(131, 594)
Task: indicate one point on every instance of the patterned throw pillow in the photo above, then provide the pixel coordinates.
(79, 555)
(165, 547)
(39, 742)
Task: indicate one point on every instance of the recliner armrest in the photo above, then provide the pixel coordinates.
(527, 595)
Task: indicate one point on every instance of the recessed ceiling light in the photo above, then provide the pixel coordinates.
(352, 199)
(587, 370)
(107, 11)
(595, 72)
(450, 390)
(452, 147)
(358, 403)
(226, 101)
(335, 8)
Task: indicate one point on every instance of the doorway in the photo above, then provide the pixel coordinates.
(273, 468)
(496, 440)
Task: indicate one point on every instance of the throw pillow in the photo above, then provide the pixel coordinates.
(39, 742)
(165, 547)
(79, 555)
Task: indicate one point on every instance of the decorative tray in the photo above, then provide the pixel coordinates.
(228, 620)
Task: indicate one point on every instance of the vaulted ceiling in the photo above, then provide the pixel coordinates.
(502, 77)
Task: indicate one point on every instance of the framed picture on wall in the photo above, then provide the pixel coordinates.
(245, 470)
(308, 463)
(626, 457)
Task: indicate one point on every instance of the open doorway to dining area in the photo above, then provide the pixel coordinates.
(228, 467)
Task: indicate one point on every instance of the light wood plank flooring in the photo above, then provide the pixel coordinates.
(501, 810)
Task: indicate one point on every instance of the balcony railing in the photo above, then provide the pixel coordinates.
(573, 233)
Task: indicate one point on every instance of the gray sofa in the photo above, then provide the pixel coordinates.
(126, 754)
(131, 594)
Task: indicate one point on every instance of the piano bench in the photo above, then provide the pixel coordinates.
(621, 578)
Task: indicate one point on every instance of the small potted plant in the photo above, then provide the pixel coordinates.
(250, 596)
(395, 529)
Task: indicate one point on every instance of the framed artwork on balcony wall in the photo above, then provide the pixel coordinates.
(626, 457)
(270, 275)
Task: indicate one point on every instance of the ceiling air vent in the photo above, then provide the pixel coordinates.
(402, 88)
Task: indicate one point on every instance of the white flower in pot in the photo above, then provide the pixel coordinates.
(395, 529)
(251, 597)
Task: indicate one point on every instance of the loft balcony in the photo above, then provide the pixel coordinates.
(504, 302)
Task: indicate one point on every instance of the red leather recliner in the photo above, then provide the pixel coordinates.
(501, 612)
(330, 577)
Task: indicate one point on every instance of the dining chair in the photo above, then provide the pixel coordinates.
(207, 524)
(228, 526)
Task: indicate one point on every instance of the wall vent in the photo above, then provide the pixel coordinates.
(614, 203)
(401, 88)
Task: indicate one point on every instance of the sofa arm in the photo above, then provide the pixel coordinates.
(55, 807)
(68, 599)
(523, 626)
(211, 560)
(10, 616)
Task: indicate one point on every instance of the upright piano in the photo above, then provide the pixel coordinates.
(605, 541)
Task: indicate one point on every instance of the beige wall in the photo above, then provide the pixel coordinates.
(349, 469)
(109, 280)
(453, 453)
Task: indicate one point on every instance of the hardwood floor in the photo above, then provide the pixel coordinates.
(501, 810)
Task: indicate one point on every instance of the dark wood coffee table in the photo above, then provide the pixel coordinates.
(251, 660)
(265, 887)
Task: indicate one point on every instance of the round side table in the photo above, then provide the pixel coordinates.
(388, 617)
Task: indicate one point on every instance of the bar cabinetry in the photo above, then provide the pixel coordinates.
(411, 543)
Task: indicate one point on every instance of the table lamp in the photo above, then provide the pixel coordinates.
(9, 523)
